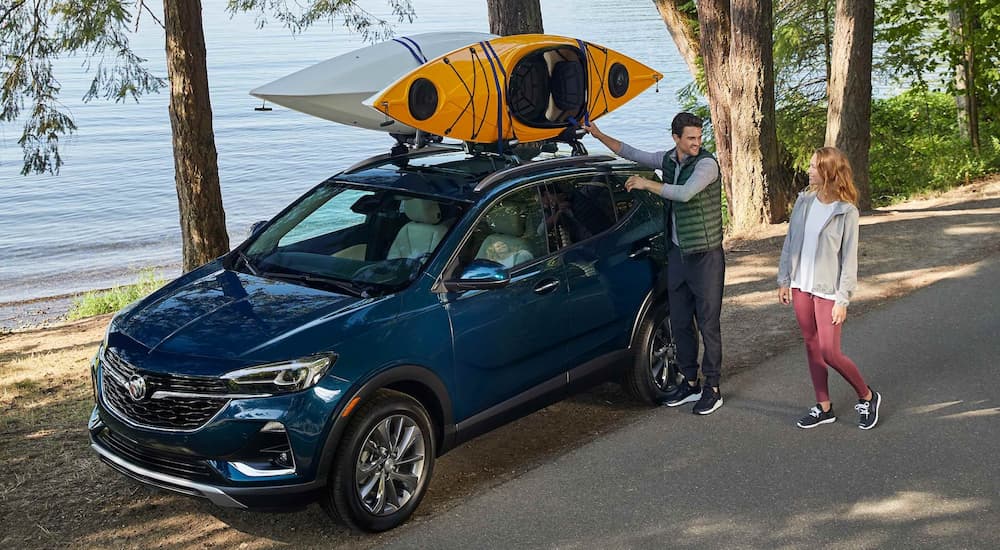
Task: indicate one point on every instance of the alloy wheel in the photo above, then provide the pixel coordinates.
(663, 357)
(390, 465)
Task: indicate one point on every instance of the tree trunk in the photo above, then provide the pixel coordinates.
(971, 22)
(961, 87)
(758, 195)
(515, 17)
(683, 30)
(711, 42)
(714, 23)
(848, 119)
(196, 168)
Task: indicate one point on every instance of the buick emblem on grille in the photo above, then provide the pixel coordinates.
(136, 387)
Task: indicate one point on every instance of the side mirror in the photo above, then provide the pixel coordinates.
(479, 275)
(256, 226)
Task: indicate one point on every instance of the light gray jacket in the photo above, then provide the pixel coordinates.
(836, 253)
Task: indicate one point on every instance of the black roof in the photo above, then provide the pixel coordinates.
(450, 172)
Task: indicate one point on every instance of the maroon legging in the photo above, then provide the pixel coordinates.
(822, 338)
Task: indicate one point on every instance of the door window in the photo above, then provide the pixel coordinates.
(508, 232)
(575, 210)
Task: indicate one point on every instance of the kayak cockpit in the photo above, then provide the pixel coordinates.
(548, 86)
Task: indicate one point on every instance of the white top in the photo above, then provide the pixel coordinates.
(819, 214)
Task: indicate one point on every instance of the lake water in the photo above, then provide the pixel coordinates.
(112, 209)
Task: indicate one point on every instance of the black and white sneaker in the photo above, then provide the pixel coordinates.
(868, 410)
(816, 417)
(711, 400)
(685, 393)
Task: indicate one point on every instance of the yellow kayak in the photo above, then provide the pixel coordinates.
(528, 87)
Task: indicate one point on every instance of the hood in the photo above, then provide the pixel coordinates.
(226, 314)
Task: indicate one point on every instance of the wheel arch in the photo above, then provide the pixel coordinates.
(419, 383)
(654, 302)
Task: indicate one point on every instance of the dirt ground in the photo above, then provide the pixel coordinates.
(55, 493)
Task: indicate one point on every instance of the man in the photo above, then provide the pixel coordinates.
(696, 265)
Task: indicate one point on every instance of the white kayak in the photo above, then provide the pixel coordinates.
(335, 89)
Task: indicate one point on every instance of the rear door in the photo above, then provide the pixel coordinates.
(605, 245)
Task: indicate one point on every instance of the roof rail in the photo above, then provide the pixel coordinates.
(530, 167)
(419, 152)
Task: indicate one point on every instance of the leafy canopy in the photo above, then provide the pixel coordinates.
(35, 33)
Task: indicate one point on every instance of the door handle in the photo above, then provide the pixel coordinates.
(545, 287)
(639, 252)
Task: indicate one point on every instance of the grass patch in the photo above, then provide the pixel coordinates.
(111, 300)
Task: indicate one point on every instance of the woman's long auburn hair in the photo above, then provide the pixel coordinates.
(835, 171)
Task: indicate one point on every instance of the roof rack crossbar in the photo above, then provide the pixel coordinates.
(530, 167)
(385, 157)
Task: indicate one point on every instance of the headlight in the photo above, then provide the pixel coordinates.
(283, 377)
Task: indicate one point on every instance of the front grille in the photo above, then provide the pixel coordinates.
(183, 413)
(178, 465)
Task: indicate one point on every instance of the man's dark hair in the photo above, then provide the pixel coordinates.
(683, 120)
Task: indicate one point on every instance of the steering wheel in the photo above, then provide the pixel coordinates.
(386, 271)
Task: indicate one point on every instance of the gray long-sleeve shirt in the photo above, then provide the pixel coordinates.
(705, 172)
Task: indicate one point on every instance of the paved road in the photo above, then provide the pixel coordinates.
(928, 476)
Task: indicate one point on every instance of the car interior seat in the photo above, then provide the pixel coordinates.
(508, 225)
(422, 233)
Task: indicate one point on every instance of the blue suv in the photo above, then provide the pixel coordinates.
(394, 311)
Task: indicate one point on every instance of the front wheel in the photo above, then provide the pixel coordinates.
(653, 371)
(383, 463)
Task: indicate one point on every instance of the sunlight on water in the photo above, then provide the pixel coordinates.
(113, 206)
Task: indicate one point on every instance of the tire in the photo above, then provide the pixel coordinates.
(383, 463)
(653, 371)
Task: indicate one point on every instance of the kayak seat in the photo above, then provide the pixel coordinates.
(568, 86)
(528, 93)
(422, 234)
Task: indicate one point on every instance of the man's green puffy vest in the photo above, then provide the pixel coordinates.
(699, 221)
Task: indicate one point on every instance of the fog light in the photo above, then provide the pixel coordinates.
(283, 460)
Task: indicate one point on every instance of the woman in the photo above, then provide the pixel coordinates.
(817, 274)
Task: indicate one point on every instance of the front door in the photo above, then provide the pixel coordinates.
(510, 340)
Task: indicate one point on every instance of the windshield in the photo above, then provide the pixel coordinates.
(352, 239)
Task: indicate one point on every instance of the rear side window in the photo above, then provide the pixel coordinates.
(625, 201)
(576, 209)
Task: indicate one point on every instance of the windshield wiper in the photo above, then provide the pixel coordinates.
(240, 256)
(339, 284)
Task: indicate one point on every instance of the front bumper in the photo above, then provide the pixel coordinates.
(173, 473)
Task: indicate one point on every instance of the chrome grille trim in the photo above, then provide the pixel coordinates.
(171, 413)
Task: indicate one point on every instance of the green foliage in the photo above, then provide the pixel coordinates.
(114, 299)
(298, 16)
(915, 143)
(803, 32)
(916, 147)
(34, 34)
(801, 127)
(924, 48)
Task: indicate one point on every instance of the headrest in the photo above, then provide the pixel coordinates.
(422, 210)
(507, 221)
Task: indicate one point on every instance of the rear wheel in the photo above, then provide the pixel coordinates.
(653, 371)
(383, 463)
